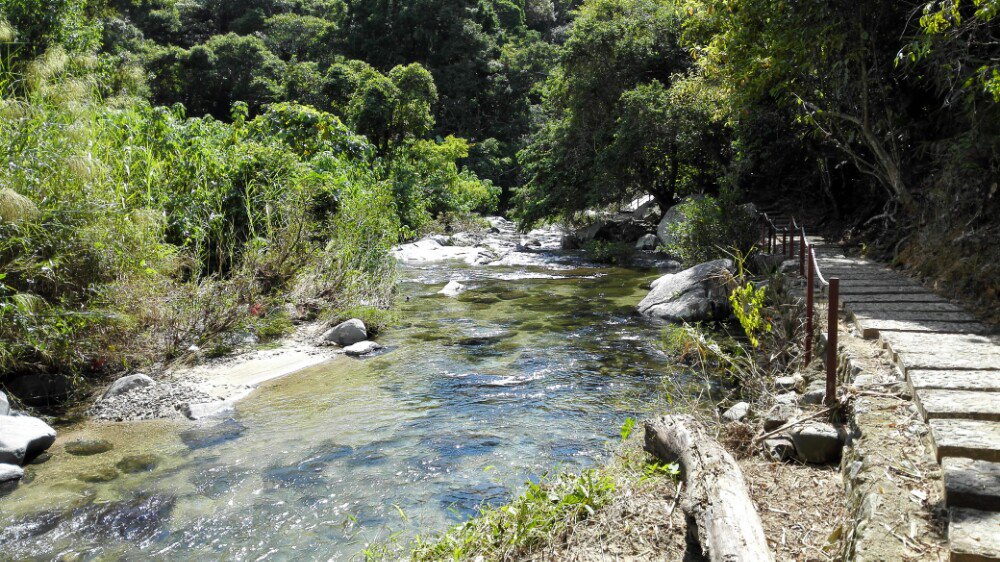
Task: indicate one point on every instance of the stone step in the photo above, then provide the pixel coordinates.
(891, 298)
(954, 380)
(971, 483)
(958, 404)
(962, 362)
(946, 343)
(974, 535)
(871, 328)
(883, 289)
(914, 307)
(972, 439)
(925, 315)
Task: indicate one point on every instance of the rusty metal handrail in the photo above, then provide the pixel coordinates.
(809, 267)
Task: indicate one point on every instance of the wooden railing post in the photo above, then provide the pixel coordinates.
(809, 303)
(831, 341)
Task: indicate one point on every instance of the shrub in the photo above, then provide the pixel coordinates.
(713, 228)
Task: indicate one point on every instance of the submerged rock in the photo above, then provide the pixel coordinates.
(346, 333)
(127, 384)
(98, 475)
(362, 348)
(693, 295)
(87, 447)
(133, 464)
(22, 438)
(453, 288)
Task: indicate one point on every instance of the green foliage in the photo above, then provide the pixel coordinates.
(614, 253)
(428, 182)
(627, 428)
(623, 118)
(133, 232)
(544, 510)
(748, 303)
(711, 228)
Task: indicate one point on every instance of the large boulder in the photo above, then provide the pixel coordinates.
(22, 438)
(646, 242)
(127, 384)
(41, 389)
(346, 333)
(620, 228)
(672, 217)
(693, 295)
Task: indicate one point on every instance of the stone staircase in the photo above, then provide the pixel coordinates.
(952, 364)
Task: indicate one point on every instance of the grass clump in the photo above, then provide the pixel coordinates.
(545, 510)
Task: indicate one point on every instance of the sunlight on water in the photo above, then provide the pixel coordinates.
(526, 372)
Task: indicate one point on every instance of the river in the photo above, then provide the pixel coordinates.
(533, 369)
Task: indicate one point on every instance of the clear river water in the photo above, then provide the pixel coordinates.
(533, 369)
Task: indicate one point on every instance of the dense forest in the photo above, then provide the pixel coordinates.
(178, 172)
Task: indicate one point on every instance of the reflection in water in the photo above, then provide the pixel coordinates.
(477, 394)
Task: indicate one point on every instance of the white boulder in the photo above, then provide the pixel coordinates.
(695, 294)
(22, 438)
(362, 348)
(127, 384)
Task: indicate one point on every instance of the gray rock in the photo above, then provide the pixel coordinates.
(738, 412)
(4, 404)
(779, 448)
(779, 415)
(814, 393)
(201, 410)
(22, 438)
(41, 389)
(87, 447)
(817, 443)
(127, 384)
(787, 384)
(768, 263)
(346, 333)
(787, 398)
(646, 242)
(362, 348)
(645, 211)
(10, 472)
(673, 216)
(453, 288)
(695, 294)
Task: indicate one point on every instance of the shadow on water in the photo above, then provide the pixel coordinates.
(528, 370)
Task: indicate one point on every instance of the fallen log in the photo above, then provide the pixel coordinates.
(726, 523)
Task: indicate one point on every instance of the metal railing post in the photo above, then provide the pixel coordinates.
(802, 252)
(809, 304)
(831, 342)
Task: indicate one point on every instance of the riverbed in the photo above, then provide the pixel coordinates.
(532, 369)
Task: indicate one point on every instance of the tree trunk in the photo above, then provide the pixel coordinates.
(725, 521)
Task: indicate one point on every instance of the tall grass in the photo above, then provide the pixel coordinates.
(129, 233)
